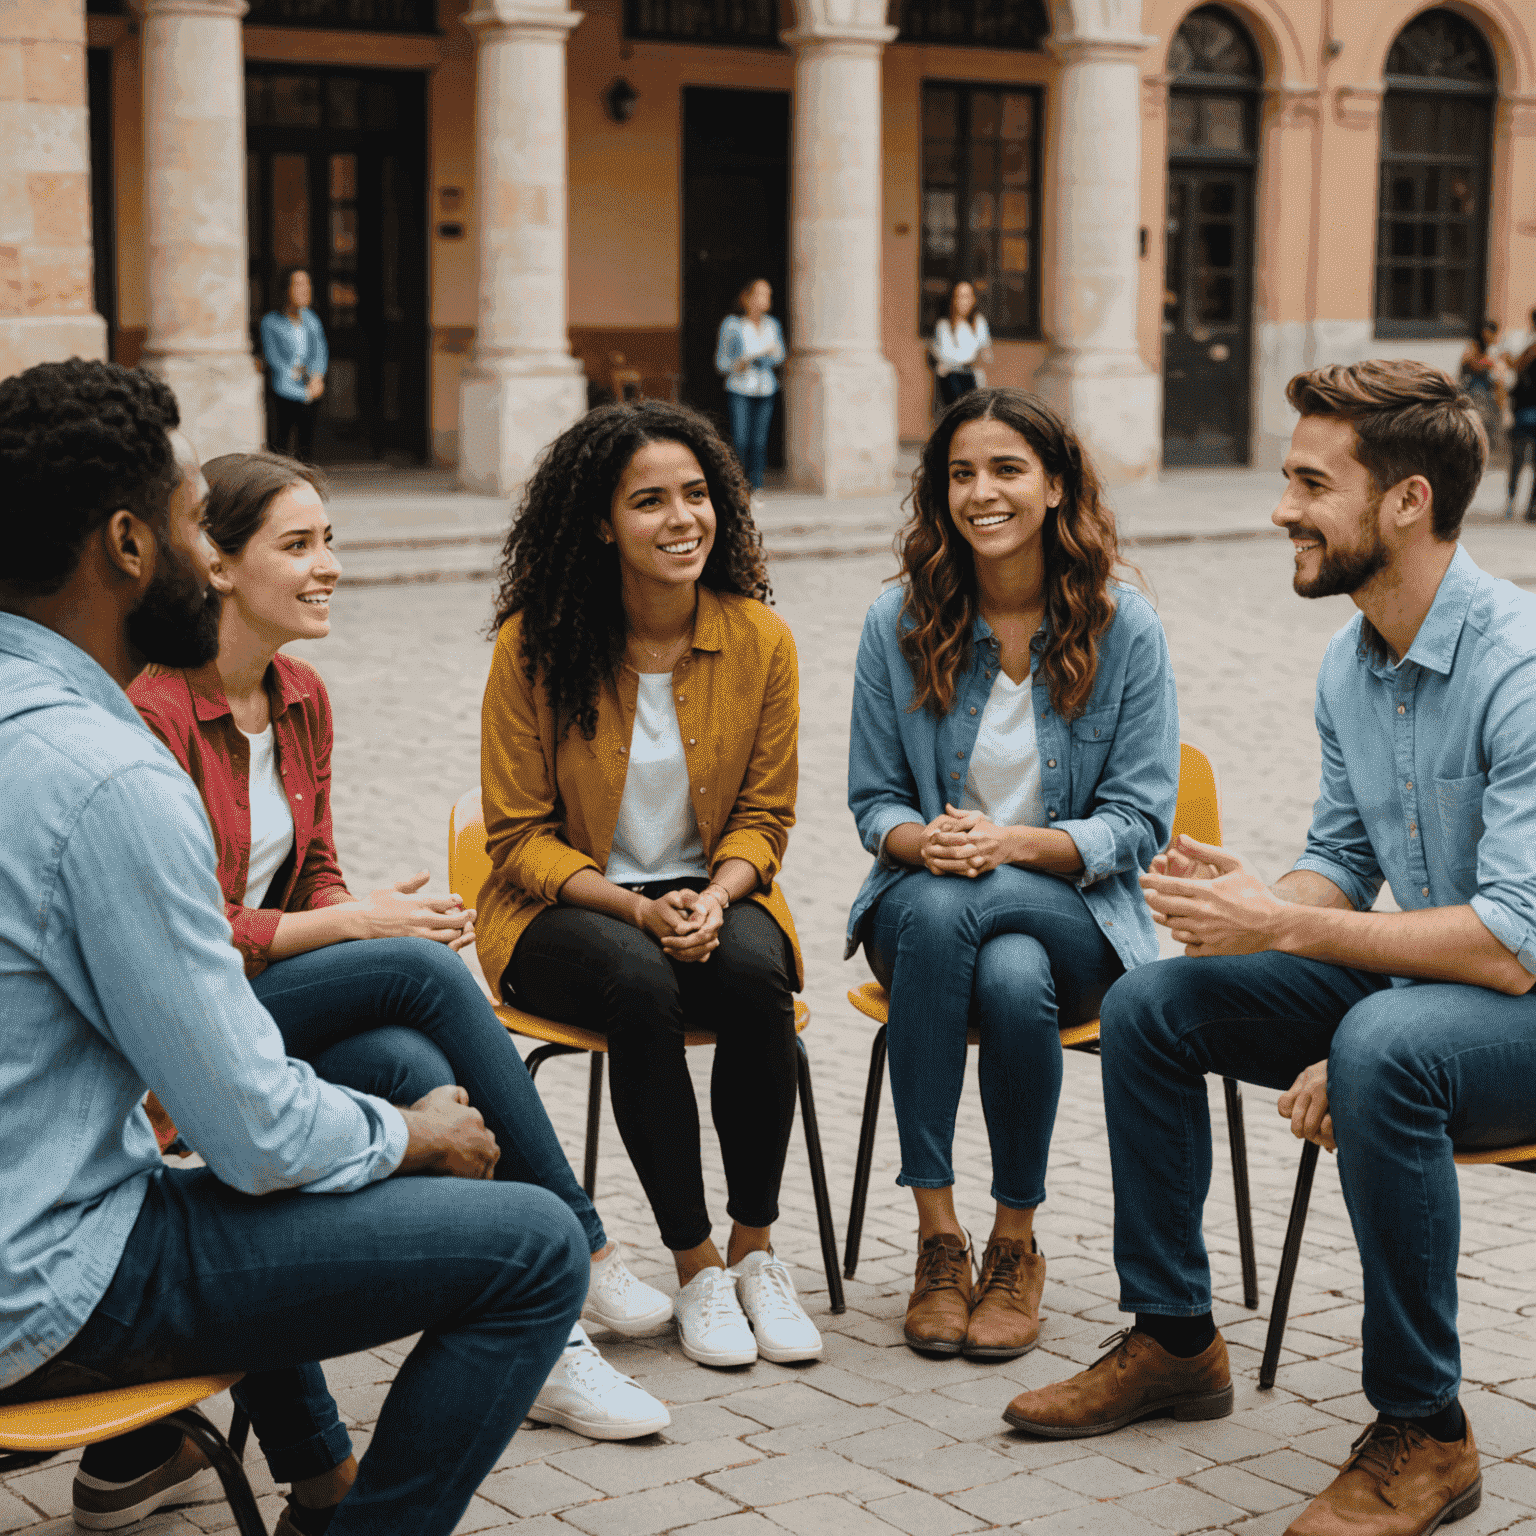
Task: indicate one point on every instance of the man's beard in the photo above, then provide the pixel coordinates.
(1342, 572)
(177, 621)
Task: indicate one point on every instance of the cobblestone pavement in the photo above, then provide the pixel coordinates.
(873, 1438)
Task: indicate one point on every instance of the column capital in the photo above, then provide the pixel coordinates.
(837, 35)
(229, 10)
(1082, 47)
(491, 16)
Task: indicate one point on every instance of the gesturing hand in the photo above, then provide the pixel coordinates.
(1305, 1105)
(448, 1137)
(700, 934)
(397, 912)
(1182, 860)
(1228, 911)
(965, 844)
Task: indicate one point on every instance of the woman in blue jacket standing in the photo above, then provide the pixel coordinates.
(293, 344)
(751, 346)
(1014, 765)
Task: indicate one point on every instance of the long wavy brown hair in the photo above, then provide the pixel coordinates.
(557, 572)
(1082, 550)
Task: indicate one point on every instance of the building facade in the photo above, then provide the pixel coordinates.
(509, 207)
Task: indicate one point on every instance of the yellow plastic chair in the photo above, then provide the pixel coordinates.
(1523, 1158)
(33, 1432)
(1199, 815)
(469, 866)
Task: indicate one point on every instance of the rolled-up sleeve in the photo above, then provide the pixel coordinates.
(1506, 864)
(882, 793)
(1338, 847)
(758, 826)
(146, 914)
(1131, 816)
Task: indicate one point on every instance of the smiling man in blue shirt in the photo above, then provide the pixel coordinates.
(1396, 1035)
(117, 975)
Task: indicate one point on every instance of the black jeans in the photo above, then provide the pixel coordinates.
(293, 427)
(584, 968)
(957, 382)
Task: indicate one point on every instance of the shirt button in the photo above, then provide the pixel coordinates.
(692, 742)
(1426, 890)
(1409, 784)
(988, 676)
(1109, 922)
(682, 699)
(954, 775)
(1413, 829)
(701, 789)
(973, 709)
(1051, 814)
(959, 754)
(299, 795)
(1402, 709)
(1050, 762)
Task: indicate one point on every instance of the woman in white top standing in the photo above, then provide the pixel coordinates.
(961, 340)
(1013, 766)
(750, 347)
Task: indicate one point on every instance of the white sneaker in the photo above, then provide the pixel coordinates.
(586, 1394)
(618, 1300)
(767, 1294)
(713, 1327)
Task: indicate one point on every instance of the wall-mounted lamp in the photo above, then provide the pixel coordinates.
(1332, 49)
(619, 100)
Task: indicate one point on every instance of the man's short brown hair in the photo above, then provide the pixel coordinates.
(1409, 419)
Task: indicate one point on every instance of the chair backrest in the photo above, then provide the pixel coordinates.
(1199, 812)
(469, 865)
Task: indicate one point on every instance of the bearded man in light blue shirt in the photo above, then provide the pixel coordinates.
(1396, 1036)
(117, 975)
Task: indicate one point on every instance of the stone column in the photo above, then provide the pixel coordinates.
(522, 386)
(199, 338)
(840, 390)
(1093, 372)
(46, 303)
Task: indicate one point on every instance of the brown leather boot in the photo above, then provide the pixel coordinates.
(1137, 1379)
(1397, 1482)
(1005, 1322)
(940, 1308)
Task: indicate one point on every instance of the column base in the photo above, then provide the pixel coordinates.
(840, 423)
(220, 396)
(29, 339)
(1113, 404)
(509, 412)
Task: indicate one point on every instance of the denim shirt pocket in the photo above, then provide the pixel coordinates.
(1460, 806)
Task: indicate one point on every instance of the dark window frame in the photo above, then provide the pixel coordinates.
(1402, 91)
(930, 308)
(719, 33)
(1024, 39)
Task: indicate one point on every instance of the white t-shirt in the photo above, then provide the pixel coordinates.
(271, 818)
(657, 836)
(1004, 781)
(958, 346)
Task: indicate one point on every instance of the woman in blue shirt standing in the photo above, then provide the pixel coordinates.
(293, 344)
(751, 346)
(1014, 765)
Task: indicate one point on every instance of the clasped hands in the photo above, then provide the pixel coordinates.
(1213, 904)
(685, 923)
(963, 843)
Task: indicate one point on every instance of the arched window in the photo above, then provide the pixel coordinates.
(974, 23)
(1436, 148)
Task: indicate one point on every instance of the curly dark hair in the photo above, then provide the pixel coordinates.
(78, 441)
(559, 575)
(939, 569)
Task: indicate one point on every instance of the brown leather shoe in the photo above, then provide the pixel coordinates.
(1005, 1321)
(1137, 1379)
(940, 1308)
(1397, 1482)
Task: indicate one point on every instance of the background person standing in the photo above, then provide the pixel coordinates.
(961, 340)
(1522, 433)
(751, 346)
(293, 344)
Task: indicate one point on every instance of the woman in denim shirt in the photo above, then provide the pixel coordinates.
(1014, 765)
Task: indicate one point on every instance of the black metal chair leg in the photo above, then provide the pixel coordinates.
(237, 1490)
(536, 1059)
(819, 1179)
(1288, 1261)
(594, 1125)
(239, 1428)
(1239, 1139)
(866, 1157)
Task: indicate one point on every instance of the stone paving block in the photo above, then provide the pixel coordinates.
(1181, 1507)
(534, 1442)
(1243, 1489)
(1503, 1425)
(744, 1523)
(1292, 1470)
(826, 1515)
(536, 1489)
(702, 1421)
(814, 1433)
(895, 1442)
(628, 1466)
(480, 1516)
(920, 1514)
(1143, 1453)
(1513, 1480)
(14, 1515)
(1315, 1379)
(790, 1403)
(644, 1514)
(1090, 1520)
(1022, 1496)
(1285, 1421)
(47, 1487)
(798, 1475)
(954, 1467)
(1271, 1523)
(1097, 1476)
(1219, 1439)
(861, 1391)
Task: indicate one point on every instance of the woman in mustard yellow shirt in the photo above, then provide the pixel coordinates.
(638, 765)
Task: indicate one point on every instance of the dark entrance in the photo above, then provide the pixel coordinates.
(735, 227)
(336, 184)
(1208, 277)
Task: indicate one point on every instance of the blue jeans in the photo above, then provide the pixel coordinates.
(492, 1275)
(399, 1017)
(1015, 953)
(1412, 1072)
(751, 416)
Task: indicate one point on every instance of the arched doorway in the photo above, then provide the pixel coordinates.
(1436, 154)
(1208, 252)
